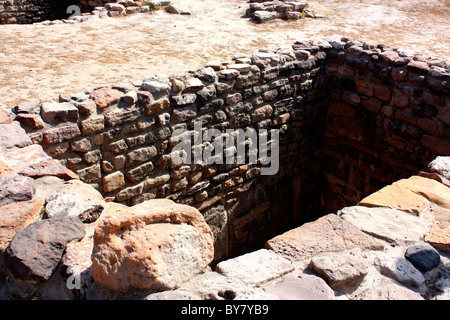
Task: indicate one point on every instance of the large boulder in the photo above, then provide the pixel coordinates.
(156, 245)
(255, 267)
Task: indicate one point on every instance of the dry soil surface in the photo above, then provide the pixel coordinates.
(39, 62)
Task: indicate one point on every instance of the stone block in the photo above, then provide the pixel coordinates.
(60, 134)
(113, 181)
(161, 245)
(256, 267)
(327, 234)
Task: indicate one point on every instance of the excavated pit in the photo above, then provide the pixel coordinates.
(351, 118)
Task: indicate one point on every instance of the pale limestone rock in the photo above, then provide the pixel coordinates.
(255, 267)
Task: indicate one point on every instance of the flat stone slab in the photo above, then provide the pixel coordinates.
(431, 189)
(12, 135)
(327, 234)
(393, 226)
(59, 112)
(396, 198)
(301, 287)
(35, 252)
(389, 291)
(255, 267)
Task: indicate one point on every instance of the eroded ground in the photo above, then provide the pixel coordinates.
(40, 62)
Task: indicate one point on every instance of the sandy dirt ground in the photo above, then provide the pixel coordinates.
(38, 62)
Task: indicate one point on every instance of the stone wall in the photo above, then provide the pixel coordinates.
(30, 11)
(21, 11)
(119, 139)
(388, 117)
(352, 118)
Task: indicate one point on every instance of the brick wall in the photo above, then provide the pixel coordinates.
(388, 118)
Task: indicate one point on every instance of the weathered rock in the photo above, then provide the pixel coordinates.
(140, 155)
(441, 165)
(4, 168)
(113, 181)
(31, 120)
(399, 269)
(182, 100)
(155, 245)
(439, 236)
(173, 295)
(16, 188)
(255, 267)
(207, 74)
(159, 84)
(423, 257)
(20, 159)
(115, 7)
(301, 287)
(431, 189)
(327, 234)
(264, 16)
(4, 119)
(438, 177)
(176, 10)
(394, 226)
(122, 115)
(12, 135)
(343, 269)
(90, 174)
(215, 286)
(86, 209)
(105, 97)
(389, 291)
(34, 252)
(48, 168)
(82, 145)
(60, 134)
(59, 112)
(15, 217)
(86, 107)
(193, 84)
(93, 125)
(396, 198)
(46, 186)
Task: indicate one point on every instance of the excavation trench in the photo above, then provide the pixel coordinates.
(351, 119)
